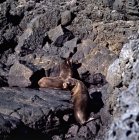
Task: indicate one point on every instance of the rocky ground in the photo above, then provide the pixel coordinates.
(124, 82)
(37, 35)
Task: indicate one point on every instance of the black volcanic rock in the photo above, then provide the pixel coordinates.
(94, 58)
(36, 32)
(23, 111)
(102, 27)
(68, 48)
(19, 75)
(3, 81)
(45, 113)
(68, 35)
(24, 74)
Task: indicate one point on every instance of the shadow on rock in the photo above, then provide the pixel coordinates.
(3, 81)
(60, 122)
(95, 80)
(53, 72)
(75, 73)
(27, 133)
(96, 101)
(68, 35)
(36, 77)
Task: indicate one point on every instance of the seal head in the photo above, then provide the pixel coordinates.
(66, 71)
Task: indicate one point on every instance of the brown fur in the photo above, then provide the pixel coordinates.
(81, 99)
(66, 71)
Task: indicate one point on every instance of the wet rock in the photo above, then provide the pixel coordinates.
(65, 17)
(19, 75)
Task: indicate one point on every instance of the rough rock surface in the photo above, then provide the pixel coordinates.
(66, 17)
(19, 75)
(24, 111)
(107, 23)
(53, 34)
(46, 113)
(126, 113)
(40, 33)
(121, 73)
(93, 58)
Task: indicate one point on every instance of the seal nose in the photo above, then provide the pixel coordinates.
(64, 85)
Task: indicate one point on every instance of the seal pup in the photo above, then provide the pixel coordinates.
(81, 100)
(66, 71)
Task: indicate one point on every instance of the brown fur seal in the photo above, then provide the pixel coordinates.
(66, 71)
(81, 100)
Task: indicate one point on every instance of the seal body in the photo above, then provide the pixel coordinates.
(81, 100)
(51, 82)
(66, 71)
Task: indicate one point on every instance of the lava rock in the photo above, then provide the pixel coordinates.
(73, 130)
(68, 35)
(53, 72)
(36, 32)
(19, 75)
(65, 17)
(114, 74)
(24, 112)
(55, 33)
(68, 48)
(121, 70)
(94, 58)
(3, 81)
(78, 55)
(125, 123)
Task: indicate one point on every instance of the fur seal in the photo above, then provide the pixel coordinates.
(81, 100)
(66, 71)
